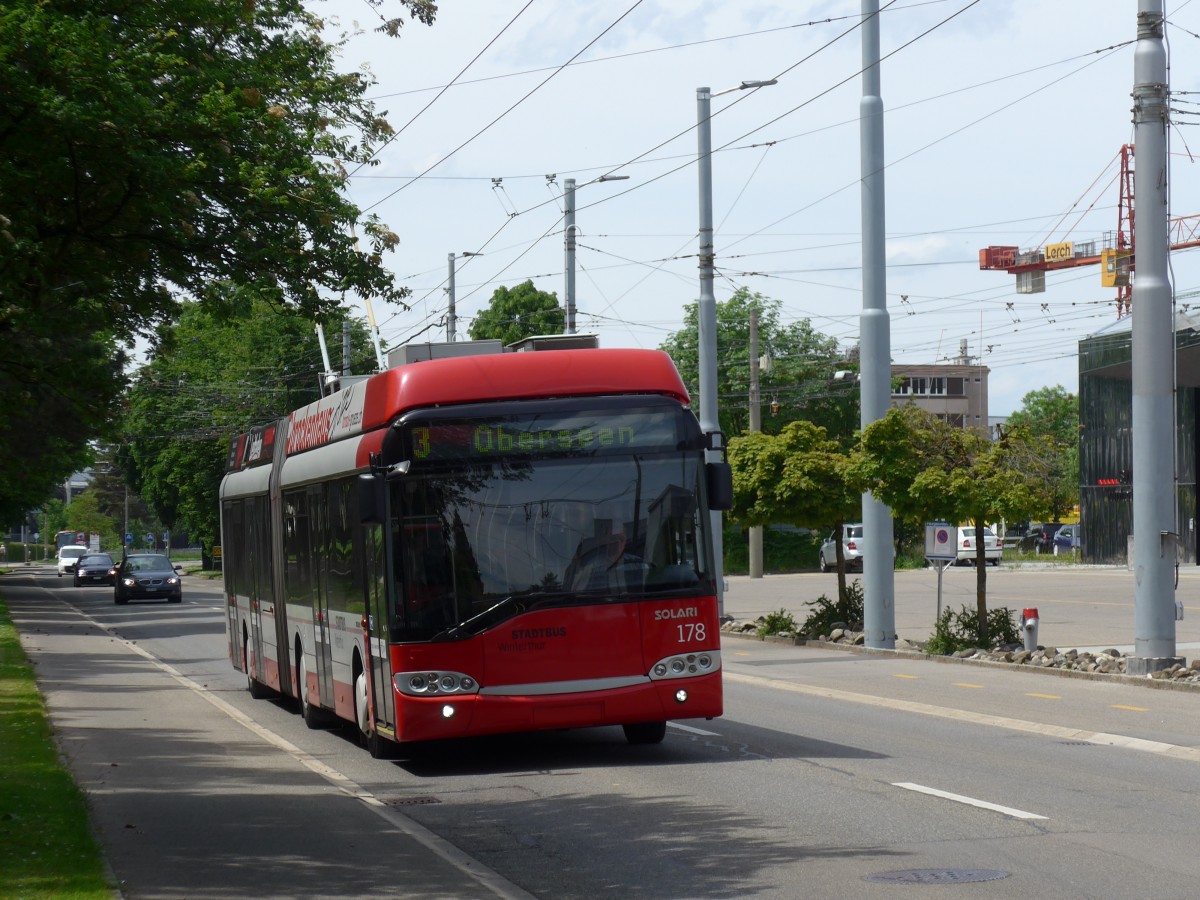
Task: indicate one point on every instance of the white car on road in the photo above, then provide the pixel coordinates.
(67, 557)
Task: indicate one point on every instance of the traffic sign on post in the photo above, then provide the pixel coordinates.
(941, 549)
(129, 537)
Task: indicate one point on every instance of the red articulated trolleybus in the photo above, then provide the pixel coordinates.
(481, 544)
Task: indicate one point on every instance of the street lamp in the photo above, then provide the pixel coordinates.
(707, 305)
(569, 242)
(451, 321)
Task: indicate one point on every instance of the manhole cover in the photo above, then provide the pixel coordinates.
(936, 876)
(410, 801)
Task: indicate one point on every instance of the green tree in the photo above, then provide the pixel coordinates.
(926, 469)
(801, 382)
(516, 313)
(797, 477)
(83, 514)
(1053, 413)
(113, 495)
(212, 377)
(149, 151)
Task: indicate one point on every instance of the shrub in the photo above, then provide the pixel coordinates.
(783, 550)
(777, 623)
(960, 631)
(828, 613)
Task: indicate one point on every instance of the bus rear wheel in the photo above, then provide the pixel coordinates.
(645, 732)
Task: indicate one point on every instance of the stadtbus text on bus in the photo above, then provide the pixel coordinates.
(481, 544)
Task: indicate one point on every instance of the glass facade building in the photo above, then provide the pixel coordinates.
(1106, 440)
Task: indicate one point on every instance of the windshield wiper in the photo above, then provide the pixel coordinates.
(480, 622)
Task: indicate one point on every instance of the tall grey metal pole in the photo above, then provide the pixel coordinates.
(346, 347)
(569, 250)
(879, 607)
(706, 309)
(1154, 529)
(756, 531)
(451, 322)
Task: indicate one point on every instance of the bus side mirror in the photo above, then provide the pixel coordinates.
(719, 476)
(370, 499)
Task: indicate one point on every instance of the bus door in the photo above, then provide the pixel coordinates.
(256, 572)
(247, 558)
(378, 628)
(322, 631)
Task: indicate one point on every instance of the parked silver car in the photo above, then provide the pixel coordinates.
(967, 546)
(852, 545)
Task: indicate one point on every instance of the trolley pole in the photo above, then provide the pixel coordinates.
(879, 607)
(569, 252)
(451, 322)
(706, 314)
(1154, 529)
(756, 531)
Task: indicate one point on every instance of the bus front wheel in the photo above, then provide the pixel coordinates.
(377, 745)
(645, 732)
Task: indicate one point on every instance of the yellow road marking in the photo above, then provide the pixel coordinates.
(967, 684)
(913, 677)
(1130, 708)
(1045, 696)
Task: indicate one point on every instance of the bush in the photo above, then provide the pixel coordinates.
(828, 613)
(960, 631)
(777, 623)
(783, 550)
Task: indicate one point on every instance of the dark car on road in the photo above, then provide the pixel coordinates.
(147, 576)
(95, 568)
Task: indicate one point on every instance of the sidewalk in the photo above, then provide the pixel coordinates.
(188, 800)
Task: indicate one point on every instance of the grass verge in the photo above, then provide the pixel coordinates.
(46, 846)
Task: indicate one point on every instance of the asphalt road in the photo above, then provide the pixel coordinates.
(832, 774)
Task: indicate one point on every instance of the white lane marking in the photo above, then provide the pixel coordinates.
(487, 878)
(690, 730)
(969, 801)
(1192, 754)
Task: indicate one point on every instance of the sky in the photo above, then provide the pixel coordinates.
(1004, 121)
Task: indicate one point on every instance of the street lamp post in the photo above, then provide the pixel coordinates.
(451, 321)
(569, 229)
(707, 306)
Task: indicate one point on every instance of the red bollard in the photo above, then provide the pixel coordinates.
(1029, 625)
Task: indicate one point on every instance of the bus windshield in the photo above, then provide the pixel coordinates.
(536, 511)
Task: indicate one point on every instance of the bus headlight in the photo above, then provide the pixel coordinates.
(434, 684)
(686, 665)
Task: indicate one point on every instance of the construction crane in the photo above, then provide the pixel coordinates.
(1115, 255)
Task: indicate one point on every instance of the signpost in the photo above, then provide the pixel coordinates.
(941, 549)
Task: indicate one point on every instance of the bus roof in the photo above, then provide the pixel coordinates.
(375, 402)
